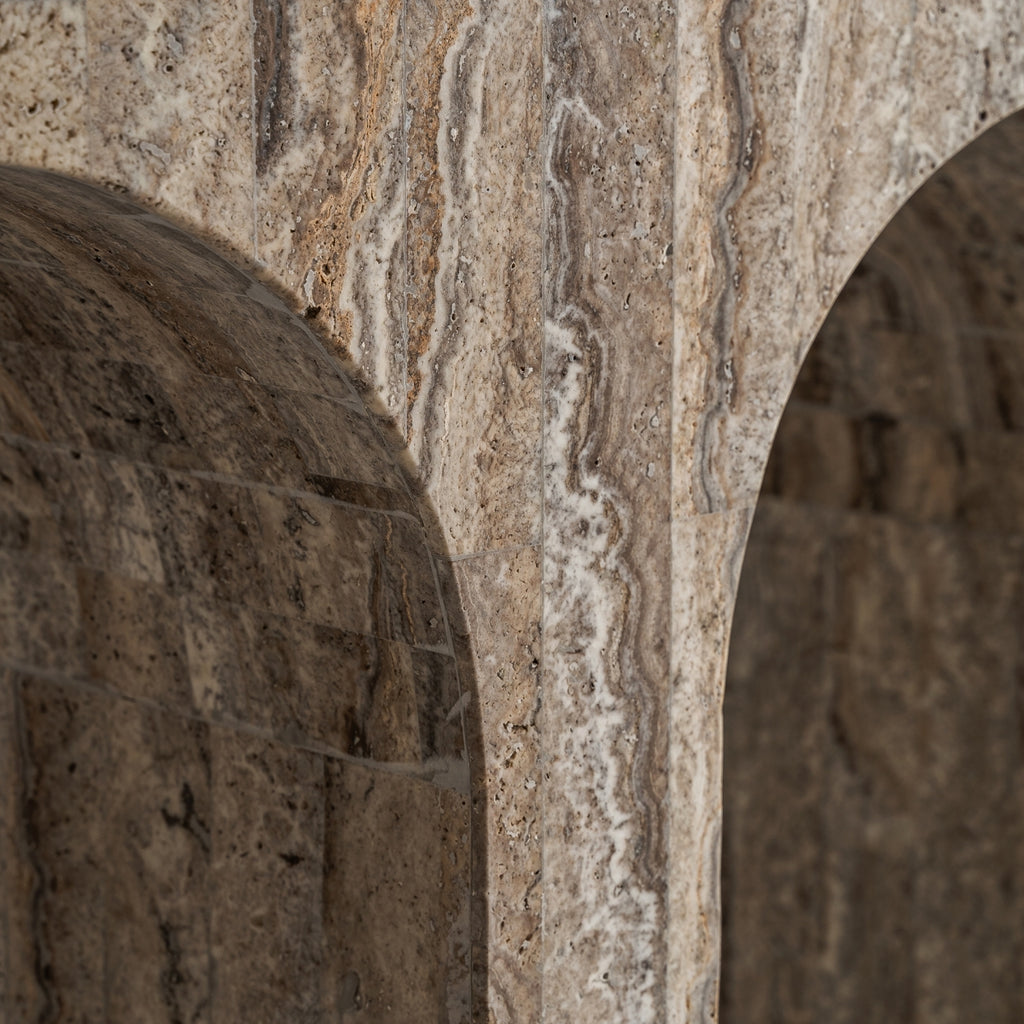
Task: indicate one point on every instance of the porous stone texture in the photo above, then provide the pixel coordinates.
(573, 256)
(235, 782)
(874, 770)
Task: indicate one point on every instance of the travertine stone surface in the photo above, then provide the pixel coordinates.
(573, 257)
(384, 877)
(474, 106)
(874, 770)
(330, 178)
(607, 377)
(712, 549)
(169, 113)
(885, 99)
(835, 114)
(43, 101)
(233, 712)
(502, 615)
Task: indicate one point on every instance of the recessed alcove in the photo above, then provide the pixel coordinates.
(234, 782)
(873, 851)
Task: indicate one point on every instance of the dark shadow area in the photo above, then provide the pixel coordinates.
(873, 856)
(239, 738)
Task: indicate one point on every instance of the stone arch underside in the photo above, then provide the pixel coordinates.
(834, 122)
(873, 761)
(234, 782)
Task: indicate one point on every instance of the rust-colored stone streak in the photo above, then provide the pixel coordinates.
(342, 256)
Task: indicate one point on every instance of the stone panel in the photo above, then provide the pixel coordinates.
(418, 971)
(45, 96)
(266, 835)
(504, 588)
(473, 101)
(170, 114)
(607, 384)
(330, 174)
(114, 817)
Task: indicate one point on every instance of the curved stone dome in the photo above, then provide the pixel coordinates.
(234, 776)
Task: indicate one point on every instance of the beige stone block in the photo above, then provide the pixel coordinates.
(157, 812)
(35, 406)
(117, 406)
(265, 451)
(396, 898)
(28, 520)
(207, 535)
(349, 568)
(965, 921)
(40, 617)
(991, 484)
(258, 326)
(115, 838)
(43, 102)
(993, 363)
(976, 87)
(102, 511)
(134, 641)
(65, 753)
(306, 684)
(170, 112)
(267, 869)
(862, 365)
(298, 556)
(814, 458)
(338, 442)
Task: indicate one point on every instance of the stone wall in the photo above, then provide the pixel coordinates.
(574, 253)
(874, 767)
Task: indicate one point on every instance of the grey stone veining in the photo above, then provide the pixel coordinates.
(574, 257)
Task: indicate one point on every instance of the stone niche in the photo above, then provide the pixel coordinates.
(234, 783)
(874, 713)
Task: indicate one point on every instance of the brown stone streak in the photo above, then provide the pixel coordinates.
(611, 430)
(426, 186)
(270, 46)
(721, 381)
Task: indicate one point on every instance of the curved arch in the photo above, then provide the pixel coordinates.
(235, 779)
(790, 238)
(872, 700)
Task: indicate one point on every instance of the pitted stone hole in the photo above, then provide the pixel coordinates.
(873, 855)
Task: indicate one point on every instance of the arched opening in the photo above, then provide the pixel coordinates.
(873, 851)
(233, 773)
